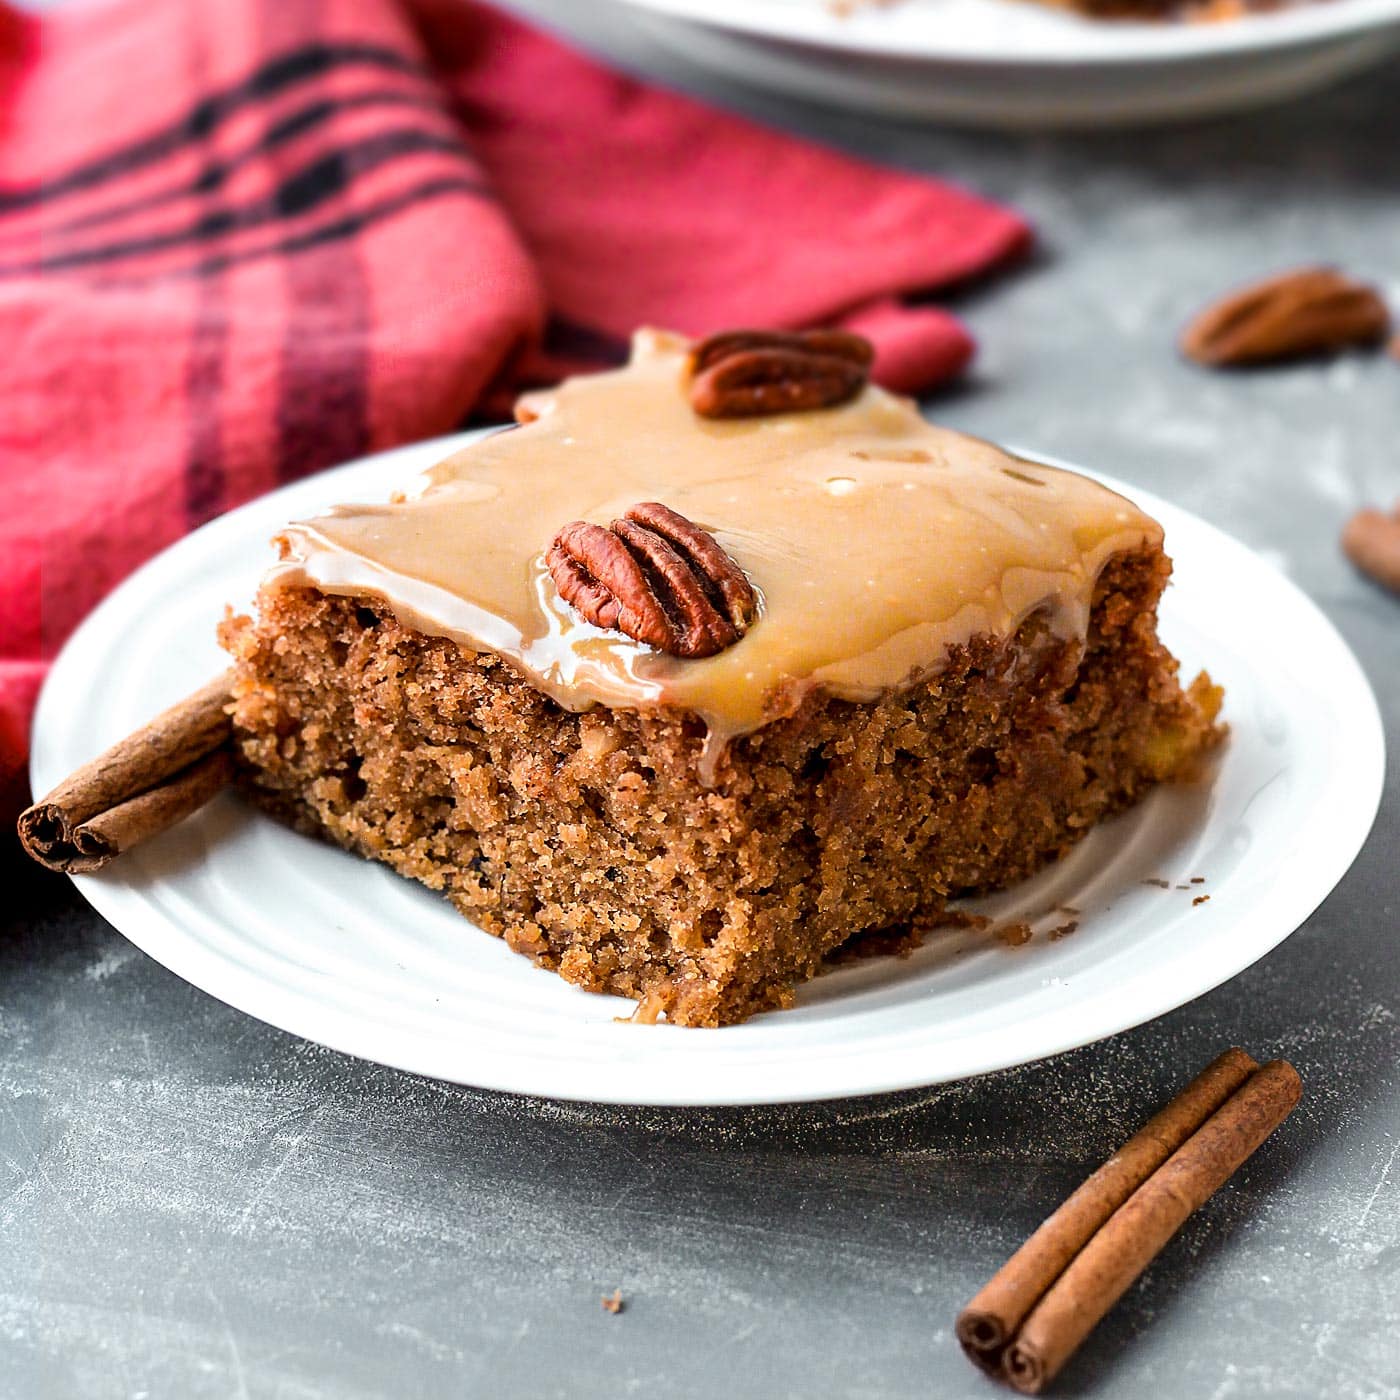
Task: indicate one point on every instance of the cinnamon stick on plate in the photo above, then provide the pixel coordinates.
(1028, 1321)
(141, 785)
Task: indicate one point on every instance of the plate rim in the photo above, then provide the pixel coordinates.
(152, 930)
(1157, 44)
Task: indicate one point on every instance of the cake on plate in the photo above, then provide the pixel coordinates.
(712, 664)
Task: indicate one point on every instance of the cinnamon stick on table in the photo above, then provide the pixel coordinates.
(1028, 1321)
(986, 1324)
(141, 785)
(1134, 1236)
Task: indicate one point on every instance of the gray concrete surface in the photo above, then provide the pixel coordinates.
(195, 1206)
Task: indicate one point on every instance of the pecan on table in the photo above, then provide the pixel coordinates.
(1309, 311)
(1371, 540)
(656, 576)
(745, 374)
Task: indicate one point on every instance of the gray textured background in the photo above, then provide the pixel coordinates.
(195, 1205)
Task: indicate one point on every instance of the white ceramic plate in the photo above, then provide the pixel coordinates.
(344, 952)
(1009, 63)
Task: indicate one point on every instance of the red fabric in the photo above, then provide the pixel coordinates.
(242, 241)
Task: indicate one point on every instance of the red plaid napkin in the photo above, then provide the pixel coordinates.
(242, 241)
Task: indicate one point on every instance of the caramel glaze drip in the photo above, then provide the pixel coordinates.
(875, 540)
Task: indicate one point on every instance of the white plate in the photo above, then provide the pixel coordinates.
(1014, 64)
(343, 952)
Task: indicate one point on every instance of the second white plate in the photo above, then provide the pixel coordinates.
(343, 952)
(1012, 63)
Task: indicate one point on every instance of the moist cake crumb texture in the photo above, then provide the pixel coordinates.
(587, 843)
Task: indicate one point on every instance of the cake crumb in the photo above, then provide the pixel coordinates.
(614, 1302)
(961, 918)
(1158, 883)
(649, 1009)
(1200, 899)
(1064, 930)
(1013, 935)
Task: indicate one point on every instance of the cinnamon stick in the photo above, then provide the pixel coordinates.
(141, 785)
(1107, 1266)
(988, 1322)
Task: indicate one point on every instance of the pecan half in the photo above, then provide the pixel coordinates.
(743, 374)
(1309, 311)
(1371, 540)
(656, 576)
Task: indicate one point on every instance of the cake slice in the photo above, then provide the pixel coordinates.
(712, 664)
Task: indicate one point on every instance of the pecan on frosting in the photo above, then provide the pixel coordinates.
(655, 576)
(1309, 311)
(748, 373)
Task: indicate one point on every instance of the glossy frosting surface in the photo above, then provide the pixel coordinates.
(874, 539)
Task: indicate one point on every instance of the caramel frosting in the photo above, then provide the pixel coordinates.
(875, 540)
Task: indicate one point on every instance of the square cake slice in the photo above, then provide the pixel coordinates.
(875, 665)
